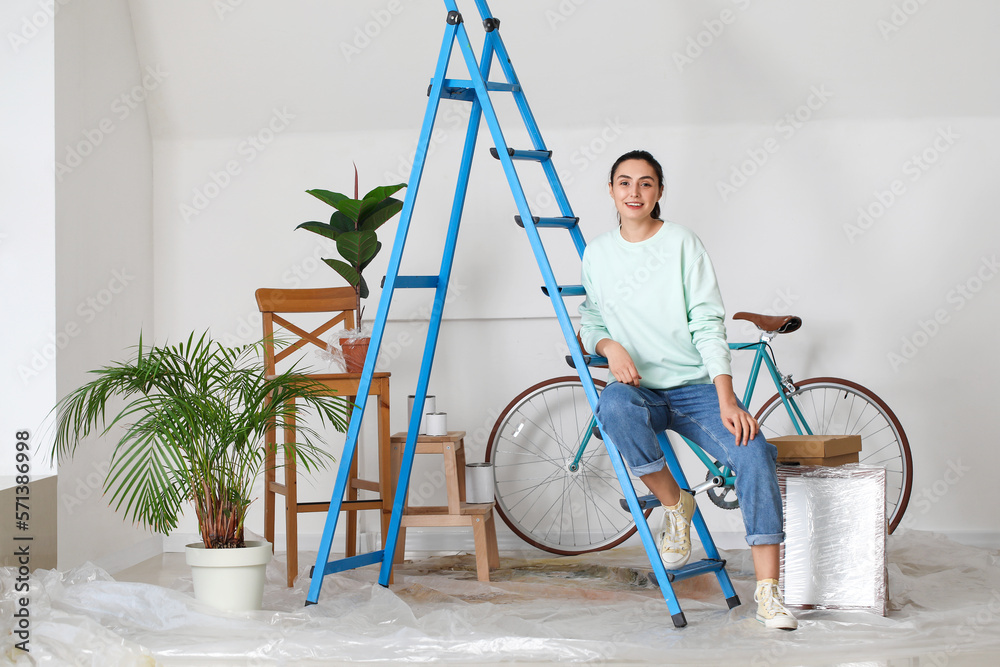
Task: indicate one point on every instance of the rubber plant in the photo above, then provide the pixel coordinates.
(195, 415)
(352, 227)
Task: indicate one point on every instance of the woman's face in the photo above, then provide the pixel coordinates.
(635, 189)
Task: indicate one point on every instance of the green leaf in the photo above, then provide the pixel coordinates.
(363, 287)
(346, 271)
(374, 217)
(327, 197)
(383, 192)
(357, 247)
(349, 207)
(364, 264)
(321, 228)
(342, 223)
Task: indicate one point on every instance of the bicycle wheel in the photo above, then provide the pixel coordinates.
(832, 406)
(538, 495)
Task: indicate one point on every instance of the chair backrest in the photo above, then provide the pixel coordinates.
(340, 302)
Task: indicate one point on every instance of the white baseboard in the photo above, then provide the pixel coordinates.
(434, 540)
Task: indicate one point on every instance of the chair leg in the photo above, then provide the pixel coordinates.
(479, 534)
(451, 475)
(270, 446)
(491, 540)
(291, 507)
(351, 548)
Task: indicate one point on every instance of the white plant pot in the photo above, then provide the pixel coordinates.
(229, 579)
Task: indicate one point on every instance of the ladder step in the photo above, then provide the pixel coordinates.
(645, 502)
(351, 562)
(415, 281)
(694, 569)
(589, 360)
(463, 89)
(564, 223)
(567, 290)
(537, 156)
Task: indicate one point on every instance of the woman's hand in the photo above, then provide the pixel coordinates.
(737, 421)
(619, 361)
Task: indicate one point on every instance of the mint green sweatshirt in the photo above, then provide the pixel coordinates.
(660, 299)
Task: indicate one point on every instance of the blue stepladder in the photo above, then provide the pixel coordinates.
(476, 91)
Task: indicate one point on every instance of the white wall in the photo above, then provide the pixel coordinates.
(261, 101)
(103, 250)
(27, 232)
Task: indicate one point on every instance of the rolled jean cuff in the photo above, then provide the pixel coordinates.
(773, 538)
(649, 468)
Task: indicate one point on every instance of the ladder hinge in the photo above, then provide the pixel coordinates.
(491, 24)
(454, 18)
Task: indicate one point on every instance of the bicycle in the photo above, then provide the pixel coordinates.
(561, 495)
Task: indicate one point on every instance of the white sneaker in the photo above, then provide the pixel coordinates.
(675, 537)
(771, 609)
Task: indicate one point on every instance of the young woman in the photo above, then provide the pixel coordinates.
(653, 308)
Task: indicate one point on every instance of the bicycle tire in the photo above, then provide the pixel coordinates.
(539, 498)
(883, 441)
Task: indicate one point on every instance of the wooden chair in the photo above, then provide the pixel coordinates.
(339, 303)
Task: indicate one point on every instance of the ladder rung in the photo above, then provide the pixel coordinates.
(645, 502)
(537, 156)
(490, 85)
(463, 89)
(589, 360)
(351, 562)
(567, 290)
(695, 569)
(414, 281)
(564, 223)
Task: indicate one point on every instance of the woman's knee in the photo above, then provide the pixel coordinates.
(619, 401)
(758, 453)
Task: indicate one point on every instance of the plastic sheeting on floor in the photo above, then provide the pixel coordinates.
(944, 609)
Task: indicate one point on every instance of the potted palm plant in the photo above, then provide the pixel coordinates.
(352, 227)
(194, 417)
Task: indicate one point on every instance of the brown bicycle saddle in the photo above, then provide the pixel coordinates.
(776, 323)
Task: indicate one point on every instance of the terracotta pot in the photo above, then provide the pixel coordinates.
(355, 350)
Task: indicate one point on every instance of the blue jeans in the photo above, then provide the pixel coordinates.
(632, 417)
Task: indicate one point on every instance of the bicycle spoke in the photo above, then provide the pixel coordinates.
(837, 407)
(536, 440)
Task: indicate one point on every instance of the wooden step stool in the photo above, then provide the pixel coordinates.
(457, 512)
